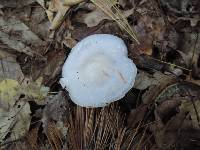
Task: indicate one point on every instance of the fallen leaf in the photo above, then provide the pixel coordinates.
(187, 9)
(72, 2)
(56, 109)
(60, 7)
(15, 121)
(8, 90)
(35, 18)
(62, 127)
(144, 79)
(96, 15)
(94, 18)
(35, 91)
(53, 66)
(189, 138)
(166, 135)
(69, 42)
(14, 109)
(17, 36)
(81, 31)
(146, 46)
(136, 116)
(23, 120)
(14, 112)
(16, 3)
(168, 106)
(9, 68)
(193, 107)
(155, 90)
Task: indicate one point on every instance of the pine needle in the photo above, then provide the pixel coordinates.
(54, 136)
(101, 128)
(109, 7)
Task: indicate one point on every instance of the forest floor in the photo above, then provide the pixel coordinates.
(161, 111)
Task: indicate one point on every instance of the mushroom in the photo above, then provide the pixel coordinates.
(98, 71)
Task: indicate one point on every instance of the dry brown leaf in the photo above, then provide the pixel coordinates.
(56, 109)
(60, 7)
(193, 107)
(72, 2)
(53, 67)
(136, 115)
(94, 18)
(166, 135)
(189, 53)
(97, 15)
(14, 112)
(168, 106)
(9, 68)
(16, 3)
(69, 41)
(144, 80)
(150, 27)
(17, 36)
(81, 31)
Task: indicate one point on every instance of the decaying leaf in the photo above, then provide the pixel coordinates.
(145, 47)
(116, 15)
(35, 18)
(54, 66)
(168, 106)
(16, 3)
(14, 109)
(15, 121)
(189, 53)
(56, 109)
(60, 7)
(72, 2)
(149, 29)
(8, 90)
(144, 80)
(193, 107)
(188, 10)
(136, 116)
(96, 15)
(164, 112)
(94, 18)
(17, 36)
(9, 68)
(69, 41)
(23, 120)
(175, 105)
(49, 69)
(35, 91)
(166, 135)
(14, 112)
(54, 117)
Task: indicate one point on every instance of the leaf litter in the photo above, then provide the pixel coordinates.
(162, 111)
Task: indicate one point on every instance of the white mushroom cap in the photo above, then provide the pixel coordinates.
(98, 71)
